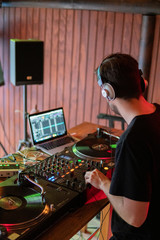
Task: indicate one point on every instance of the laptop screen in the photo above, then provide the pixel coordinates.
(47, 125)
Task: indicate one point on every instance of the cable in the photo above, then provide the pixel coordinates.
(103, 218)
(102, 223)
(38, 185)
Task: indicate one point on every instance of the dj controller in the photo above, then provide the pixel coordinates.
(48, 190)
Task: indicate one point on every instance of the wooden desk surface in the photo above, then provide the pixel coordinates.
(69, 225)
(83, 129)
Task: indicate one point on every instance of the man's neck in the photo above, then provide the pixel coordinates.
(129, 109)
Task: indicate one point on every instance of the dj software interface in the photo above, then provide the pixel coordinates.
(48, 125)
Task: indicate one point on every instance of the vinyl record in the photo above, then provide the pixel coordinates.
(20, 205)
(93, 148)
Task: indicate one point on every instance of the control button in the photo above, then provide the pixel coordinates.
(106, 168)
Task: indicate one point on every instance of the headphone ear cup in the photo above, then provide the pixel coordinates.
(108, 92)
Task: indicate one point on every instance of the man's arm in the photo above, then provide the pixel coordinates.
(131, 211)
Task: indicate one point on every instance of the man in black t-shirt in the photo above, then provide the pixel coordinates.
(134, 188)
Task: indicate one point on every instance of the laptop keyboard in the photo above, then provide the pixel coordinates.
(57, 143)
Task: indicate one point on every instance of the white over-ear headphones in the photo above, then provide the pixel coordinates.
(108, 91)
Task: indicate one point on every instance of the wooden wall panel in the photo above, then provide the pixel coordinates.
(68, 65)
(90, 76)
(75, 42)
(154, 83)
(75, 67)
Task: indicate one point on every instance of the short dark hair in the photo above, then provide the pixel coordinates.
(122, 71)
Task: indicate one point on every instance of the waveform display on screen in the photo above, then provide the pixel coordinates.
(48, 125)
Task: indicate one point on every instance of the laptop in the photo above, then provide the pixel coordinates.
(49, 132)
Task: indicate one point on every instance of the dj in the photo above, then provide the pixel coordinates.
(134, 188)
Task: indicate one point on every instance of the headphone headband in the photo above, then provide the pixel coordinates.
(99, 80)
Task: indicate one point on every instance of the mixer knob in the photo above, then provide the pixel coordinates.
(40, 166)
(97, 164)
(43, 168)
(67, 182)
(101, 163)
(72, 165)
(68, 167)
(48, 165)
(80, 186)
(53, 162)
(71, 173)
(89, 167)
(75, 179)
(54, 157)
(73, 184)
(43, 174)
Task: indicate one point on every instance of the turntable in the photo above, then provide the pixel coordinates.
(48, 190)
(21, 208)
(25, 213)
(100, 146)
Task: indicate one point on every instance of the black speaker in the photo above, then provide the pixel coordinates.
(26, 61)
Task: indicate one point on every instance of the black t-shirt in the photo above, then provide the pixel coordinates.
(137, 175)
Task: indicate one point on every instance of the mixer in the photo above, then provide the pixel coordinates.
(48, 190)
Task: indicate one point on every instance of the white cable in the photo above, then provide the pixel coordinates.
(38, 185)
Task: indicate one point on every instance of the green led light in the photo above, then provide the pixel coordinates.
(113, 145)
(79, 160)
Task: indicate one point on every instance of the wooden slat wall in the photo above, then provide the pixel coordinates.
(75, 43)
